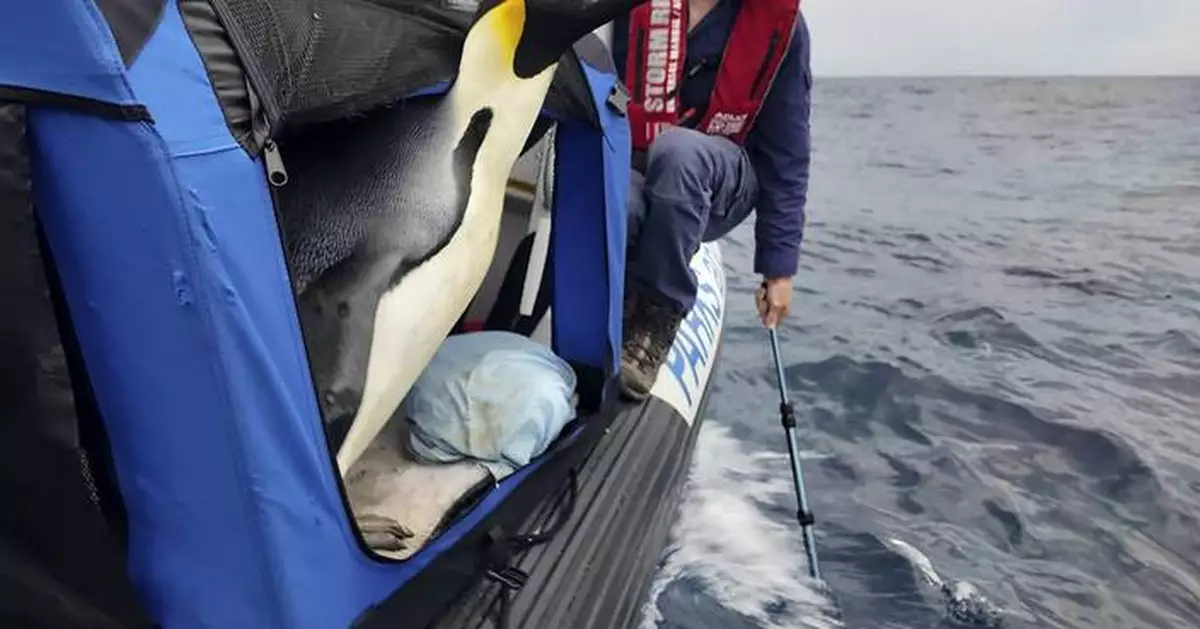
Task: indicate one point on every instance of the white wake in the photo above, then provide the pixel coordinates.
(747, 562)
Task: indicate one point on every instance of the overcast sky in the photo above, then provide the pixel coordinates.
(1003, 37)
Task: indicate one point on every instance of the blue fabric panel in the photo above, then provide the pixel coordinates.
(111, 206)
(235, 520)
(245, 403)
(138, 229)
(617, 158)
(61, 46)
(581, 285)
(195, 356)
(591, 184)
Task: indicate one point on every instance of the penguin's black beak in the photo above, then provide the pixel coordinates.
(552, 26)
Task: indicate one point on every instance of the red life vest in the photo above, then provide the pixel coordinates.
(654, 65)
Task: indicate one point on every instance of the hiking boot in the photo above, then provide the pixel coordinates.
(650, 328)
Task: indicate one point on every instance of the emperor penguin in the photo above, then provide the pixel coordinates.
(391, 221)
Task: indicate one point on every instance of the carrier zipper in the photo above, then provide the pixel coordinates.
(276, 173)
(762, 70)
(254, 73)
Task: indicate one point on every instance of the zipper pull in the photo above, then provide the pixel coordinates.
(276, 173)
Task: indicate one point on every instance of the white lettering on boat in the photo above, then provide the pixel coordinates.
(685, 375)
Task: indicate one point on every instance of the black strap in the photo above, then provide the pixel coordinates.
(503, 548)
(509, 577)
(564, 507)
(503, 604)
(112, 111)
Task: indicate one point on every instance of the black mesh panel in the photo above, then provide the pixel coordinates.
(322, 60)
(314, 61)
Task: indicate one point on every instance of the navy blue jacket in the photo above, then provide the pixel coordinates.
(778, 144)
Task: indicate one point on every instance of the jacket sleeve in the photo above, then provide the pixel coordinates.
(779, 148)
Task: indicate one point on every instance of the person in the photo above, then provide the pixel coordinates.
(719, 119)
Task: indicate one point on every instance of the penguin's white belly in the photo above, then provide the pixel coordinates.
(415, 316)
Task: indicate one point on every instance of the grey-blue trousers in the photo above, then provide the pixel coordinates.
(696, 189)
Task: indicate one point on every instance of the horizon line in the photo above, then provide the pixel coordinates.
(1065, 75)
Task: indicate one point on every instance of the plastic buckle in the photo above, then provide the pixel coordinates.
(509, 577)
(618, 99)
(500, 558)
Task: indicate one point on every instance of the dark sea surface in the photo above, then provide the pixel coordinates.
(995, 354)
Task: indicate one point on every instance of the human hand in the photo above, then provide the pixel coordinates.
(774, 300)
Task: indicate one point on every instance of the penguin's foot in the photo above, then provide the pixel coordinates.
(383, 533)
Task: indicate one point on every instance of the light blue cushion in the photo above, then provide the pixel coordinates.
(496, 397)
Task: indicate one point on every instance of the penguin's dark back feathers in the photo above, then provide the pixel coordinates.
(366, 202)
(387, 176)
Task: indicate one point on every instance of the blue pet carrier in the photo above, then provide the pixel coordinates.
(148, 123)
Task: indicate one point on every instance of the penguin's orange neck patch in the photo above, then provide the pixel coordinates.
(507, 21)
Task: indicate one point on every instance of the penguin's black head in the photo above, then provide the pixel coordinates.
(551, 27)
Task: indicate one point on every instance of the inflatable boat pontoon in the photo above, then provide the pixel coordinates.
(167, 455)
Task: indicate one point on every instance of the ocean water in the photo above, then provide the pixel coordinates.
(995, 354)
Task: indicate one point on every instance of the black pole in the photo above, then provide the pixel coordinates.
(787, 414)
